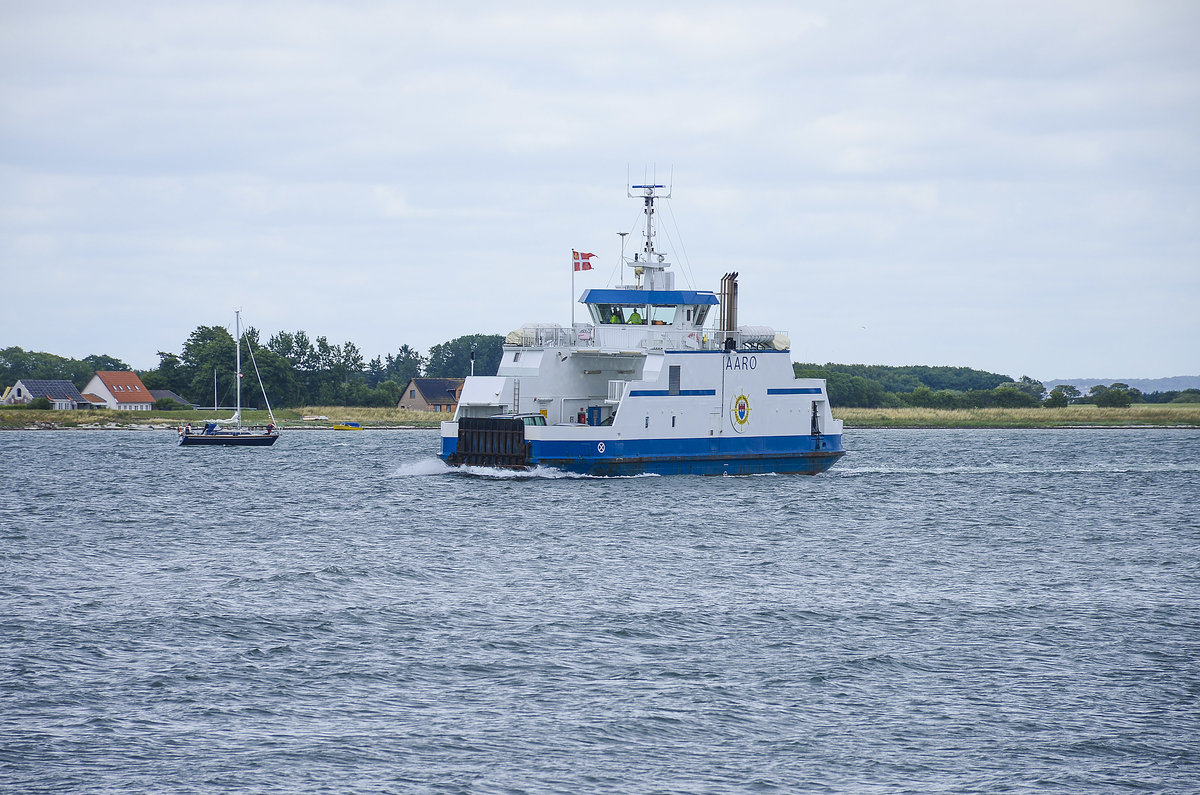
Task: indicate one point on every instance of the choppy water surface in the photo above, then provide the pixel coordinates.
(944, 610)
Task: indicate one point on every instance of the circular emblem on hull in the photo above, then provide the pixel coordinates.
(739, 413)
(600, 447)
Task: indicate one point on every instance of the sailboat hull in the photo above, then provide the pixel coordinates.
(229, 439)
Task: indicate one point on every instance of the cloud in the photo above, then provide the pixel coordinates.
(399, 173)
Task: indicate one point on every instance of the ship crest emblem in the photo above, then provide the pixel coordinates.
(740, 412)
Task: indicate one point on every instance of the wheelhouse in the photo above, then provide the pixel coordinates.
(687, 309)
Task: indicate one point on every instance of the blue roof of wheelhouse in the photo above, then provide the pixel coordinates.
(657, 297)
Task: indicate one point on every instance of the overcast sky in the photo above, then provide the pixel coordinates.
(1008, 186)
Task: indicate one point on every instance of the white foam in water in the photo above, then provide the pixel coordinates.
(435, 466)
(423, 467)
(541, 473)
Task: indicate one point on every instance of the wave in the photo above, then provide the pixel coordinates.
(1010, 469)
(426, 467)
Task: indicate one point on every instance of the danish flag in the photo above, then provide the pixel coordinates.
(583, 262)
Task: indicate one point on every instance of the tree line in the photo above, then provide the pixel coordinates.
(16, 364)
(881, 386)
(295, 369)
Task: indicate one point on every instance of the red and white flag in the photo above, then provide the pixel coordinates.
(583, 262)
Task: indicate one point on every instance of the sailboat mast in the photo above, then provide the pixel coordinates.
(238, 360)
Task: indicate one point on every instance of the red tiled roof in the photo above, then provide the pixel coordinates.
(125, 386)
(90, 398)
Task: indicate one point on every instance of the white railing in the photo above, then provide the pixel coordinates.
(551, 336)
(644, 337)
(616, 391)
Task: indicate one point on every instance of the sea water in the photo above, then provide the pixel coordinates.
(966, 611)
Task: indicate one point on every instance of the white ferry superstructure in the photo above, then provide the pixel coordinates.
(660, 381)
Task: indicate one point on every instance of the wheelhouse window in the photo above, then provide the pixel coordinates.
(663, 315)
(642, 314)
(636, 315)
(609, 314)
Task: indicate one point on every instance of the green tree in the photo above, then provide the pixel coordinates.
(389, 393)
(170, 374)
(375, 372)
(209, 350)
(845, 389)
(97, 362)
(1117, 395)
(16, 364)
(908, 378)
(1010, 396)
(1061, 395)
(278, 378)
(401, 368)
(1035, 389)
(921, 397)
(452, 359)
(296, 348)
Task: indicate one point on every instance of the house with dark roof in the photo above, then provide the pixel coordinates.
(159, 394)
(121, 390)
(62, 394)
(431, 394)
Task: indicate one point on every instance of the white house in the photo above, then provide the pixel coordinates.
(119, 389)
(61, 394)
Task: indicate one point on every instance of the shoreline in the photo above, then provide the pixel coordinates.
(1182, 416)
(150, 426)
(155, 426)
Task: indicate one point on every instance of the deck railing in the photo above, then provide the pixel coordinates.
(585, 335)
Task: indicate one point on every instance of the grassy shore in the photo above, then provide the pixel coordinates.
(1144, 414)
(1141, 414)
(18, 418)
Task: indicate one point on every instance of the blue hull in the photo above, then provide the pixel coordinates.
(806, 455)
(810, 464)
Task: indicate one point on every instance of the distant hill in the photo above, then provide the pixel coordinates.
(1144, 385)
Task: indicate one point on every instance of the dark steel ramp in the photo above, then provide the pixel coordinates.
(491, 442)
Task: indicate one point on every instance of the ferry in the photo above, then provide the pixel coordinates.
(659, 380)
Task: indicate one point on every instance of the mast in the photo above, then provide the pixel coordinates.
(238, 360)
(650, 262)
(622, 234)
